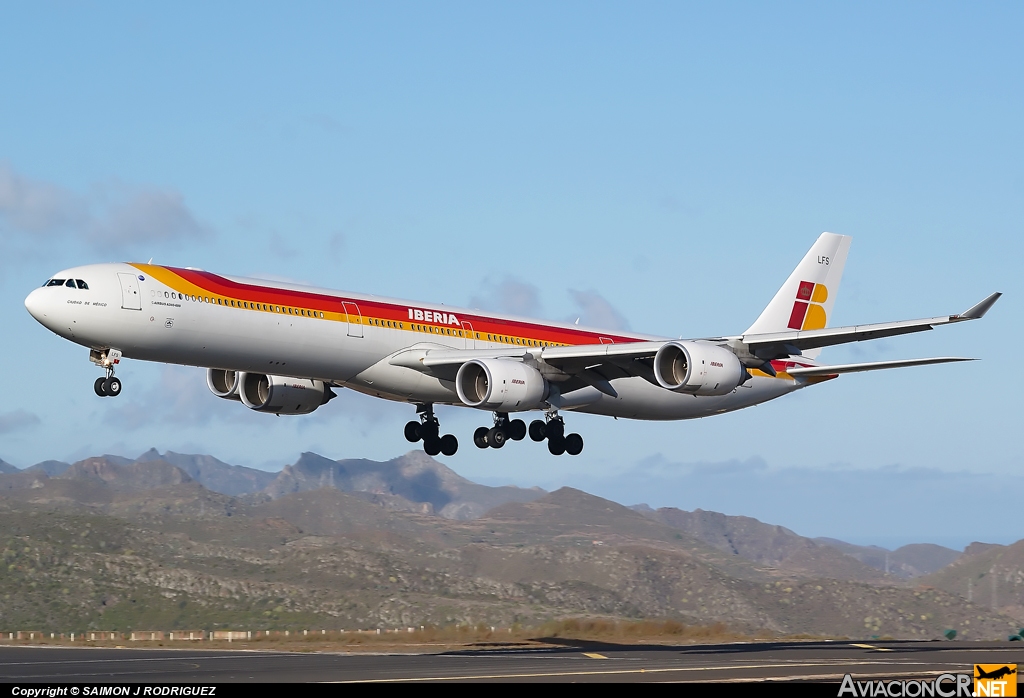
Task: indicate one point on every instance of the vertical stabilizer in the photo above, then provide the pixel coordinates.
(805, 301)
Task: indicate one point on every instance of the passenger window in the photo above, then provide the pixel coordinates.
(82, 285)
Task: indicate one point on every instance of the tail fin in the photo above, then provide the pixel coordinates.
(805, 301)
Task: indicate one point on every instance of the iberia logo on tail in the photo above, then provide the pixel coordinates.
(808, 309)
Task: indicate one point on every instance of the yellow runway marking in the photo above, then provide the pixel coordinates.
(594, 655)
(870, 647)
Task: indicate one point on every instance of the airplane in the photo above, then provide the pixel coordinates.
(281, 348)
(994, 674)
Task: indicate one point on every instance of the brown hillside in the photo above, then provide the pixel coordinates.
(991, 575)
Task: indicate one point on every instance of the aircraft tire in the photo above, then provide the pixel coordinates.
(98, 386)
(112, 386)
(480, 437)
(555, 429)
(428, 430)
(574, 444)
(517, 430)
(432, 446)
(496, 437)
(556, 446)
(449, 444)
(412, 432)
(537, 430)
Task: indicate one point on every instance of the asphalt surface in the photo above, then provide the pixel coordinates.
(581, 662)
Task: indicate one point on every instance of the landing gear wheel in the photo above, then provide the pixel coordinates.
(412, 432)
(429, 430)
(432, 445)
(574, 444)
(496, 437)
(112, 386)
(480, 437)
(516, 429)
(555, 429)
(556, 446)
(449, 444)
(537, 430)
(98, 386)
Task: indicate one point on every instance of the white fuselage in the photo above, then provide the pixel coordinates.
(191, 317)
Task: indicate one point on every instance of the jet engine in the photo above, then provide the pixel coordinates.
(500, 385)
(223, 383)
(282, 395)
(698, 368)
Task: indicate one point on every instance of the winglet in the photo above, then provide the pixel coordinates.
(978, 311)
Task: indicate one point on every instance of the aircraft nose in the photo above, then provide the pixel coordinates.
(34, 304)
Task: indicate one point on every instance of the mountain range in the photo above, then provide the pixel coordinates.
(188, 540)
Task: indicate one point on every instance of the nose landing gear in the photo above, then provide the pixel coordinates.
(428, 430)
(554, 431)
(108, 385)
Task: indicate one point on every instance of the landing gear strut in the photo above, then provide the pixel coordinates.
(554, 431)
(503, 430)
(428, 430)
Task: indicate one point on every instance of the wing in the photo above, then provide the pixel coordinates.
(778, 345)
(597, 365)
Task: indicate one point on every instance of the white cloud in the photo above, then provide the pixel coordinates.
(36, 208)
(17, 420)
(147, 216)
(510, 295)
(32, 210)
(336, 246)
(596, 311)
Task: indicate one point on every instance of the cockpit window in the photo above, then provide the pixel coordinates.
(82, 285)
(55, 282)
(70, 283)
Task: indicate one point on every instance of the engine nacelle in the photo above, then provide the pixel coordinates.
(281, 395)
(223, 383)
(500, 385)
(698, 368)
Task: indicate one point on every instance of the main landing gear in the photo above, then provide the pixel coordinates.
(427, 430)
(554, 431)
(503, 430)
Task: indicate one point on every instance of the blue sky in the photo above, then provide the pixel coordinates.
(658, 165)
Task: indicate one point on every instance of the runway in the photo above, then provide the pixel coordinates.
(576, 662)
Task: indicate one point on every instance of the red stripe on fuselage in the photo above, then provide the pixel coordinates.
(482, 325)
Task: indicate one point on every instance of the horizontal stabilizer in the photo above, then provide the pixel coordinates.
(871, 366)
